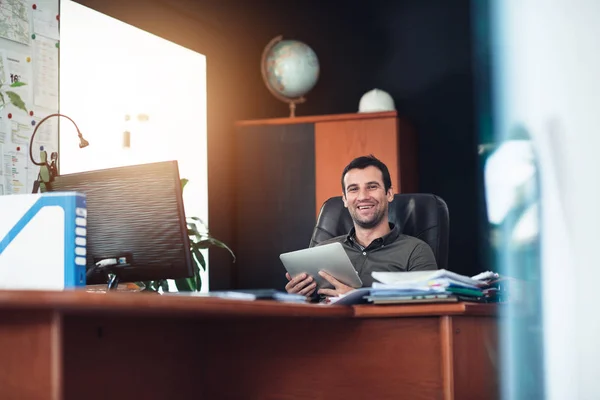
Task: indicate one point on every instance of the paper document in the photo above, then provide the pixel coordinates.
(45, 19)
(355, 296)
(14, 21)
(408, 279)
(485, 276)
(45, 78)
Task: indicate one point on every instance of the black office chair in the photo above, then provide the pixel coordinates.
(424, 216)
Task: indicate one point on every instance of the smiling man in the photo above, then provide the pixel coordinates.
(373, 244)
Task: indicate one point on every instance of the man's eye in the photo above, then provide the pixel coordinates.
(352, 189)
(373, 187)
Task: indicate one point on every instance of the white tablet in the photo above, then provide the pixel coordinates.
(331, 258)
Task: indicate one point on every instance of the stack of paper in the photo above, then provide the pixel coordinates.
(438, 285)
(420, 286)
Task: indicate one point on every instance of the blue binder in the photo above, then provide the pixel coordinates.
(43, 240)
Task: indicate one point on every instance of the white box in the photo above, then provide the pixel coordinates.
(43, 241)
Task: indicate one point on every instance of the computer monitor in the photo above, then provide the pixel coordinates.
(134, 212)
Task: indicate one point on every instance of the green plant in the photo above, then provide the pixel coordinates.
(200, 239)
(13, 98)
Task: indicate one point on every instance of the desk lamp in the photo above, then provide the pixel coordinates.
(48, 169)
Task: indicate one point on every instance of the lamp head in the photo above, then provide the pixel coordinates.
(82, 142)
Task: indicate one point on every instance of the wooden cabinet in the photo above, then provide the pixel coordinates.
(286, 168)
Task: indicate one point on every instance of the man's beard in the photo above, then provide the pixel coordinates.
(371, 223)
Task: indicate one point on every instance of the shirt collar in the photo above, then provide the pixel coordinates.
(386, 239)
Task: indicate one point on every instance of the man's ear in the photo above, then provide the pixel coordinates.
(390, 194)
(345, 200)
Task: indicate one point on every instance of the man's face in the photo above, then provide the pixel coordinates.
(365, 196)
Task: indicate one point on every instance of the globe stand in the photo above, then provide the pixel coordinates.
(293, 105)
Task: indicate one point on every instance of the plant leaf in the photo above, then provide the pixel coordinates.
(198, 279)
(193, 222)
(17, 84)
(164, 285)
(198, 220)
(208, 242)
(184, 285)
(198, 256)
(184, 182)
(16, 100)
(193, 231)
(2, 98)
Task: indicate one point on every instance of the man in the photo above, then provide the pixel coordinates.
(373, 244)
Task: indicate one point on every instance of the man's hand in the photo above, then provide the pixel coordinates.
(302, 284)
(338, 287)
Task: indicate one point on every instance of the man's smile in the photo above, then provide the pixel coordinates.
(364, 207)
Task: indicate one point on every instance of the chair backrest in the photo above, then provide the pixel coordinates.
(424, 216)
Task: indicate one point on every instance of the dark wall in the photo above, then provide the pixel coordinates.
(417, 50)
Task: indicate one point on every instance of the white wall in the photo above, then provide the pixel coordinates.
(109, 69)
(548, 79)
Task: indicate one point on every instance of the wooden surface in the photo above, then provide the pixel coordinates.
(76, 345)
(155, 305)
(426, 309)
(339, 142)
(317, 118)
(30, 345)
(476, 357)
(447, 356)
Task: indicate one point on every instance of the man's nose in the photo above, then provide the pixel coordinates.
(363, 194)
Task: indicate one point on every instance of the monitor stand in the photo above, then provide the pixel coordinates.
(112, 281)
(110, 275)
(110, 268)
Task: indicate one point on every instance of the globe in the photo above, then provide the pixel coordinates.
(290, 69)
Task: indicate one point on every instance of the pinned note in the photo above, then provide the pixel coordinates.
(45, 83)
(45, 22)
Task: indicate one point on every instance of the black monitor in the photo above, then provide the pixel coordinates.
(134, 213)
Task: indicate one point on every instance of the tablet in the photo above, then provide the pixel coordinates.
(331, 258)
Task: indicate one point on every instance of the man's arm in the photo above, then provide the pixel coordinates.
(422, 258)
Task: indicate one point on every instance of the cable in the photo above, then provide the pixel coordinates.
(105, 263)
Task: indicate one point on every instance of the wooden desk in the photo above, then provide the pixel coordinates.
(77, 345)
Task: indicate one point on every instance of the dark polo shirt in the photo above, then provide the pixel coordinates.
(392, 252)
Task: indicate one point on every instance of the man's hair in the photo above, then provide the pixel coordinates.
(367, 161)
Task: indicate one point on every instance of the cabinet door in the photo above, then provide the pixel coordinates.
(275, 200)
(337, 142)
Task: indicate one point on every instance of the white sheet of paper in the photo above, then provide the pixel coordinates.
(32, 172)
(47, 133)
(16, 164)
(20, 69)
(4, 126)
(21, 128)
(44, 19)
(14, 21)
(45, 82)
(3, 69)
(5, 163)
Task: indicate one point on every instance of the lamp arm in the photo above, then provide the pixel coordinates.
(83, 142)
